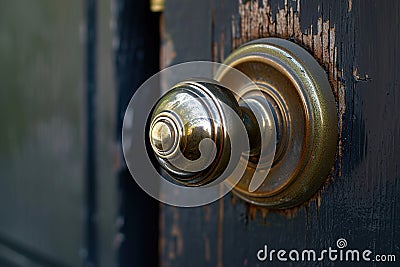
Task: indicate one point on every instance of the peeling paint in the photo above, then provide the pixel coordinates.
(259, 21)
(175, 243)
(358, 78)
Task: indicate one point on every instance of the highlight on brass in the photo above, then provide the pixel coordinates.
(304, 108)
(193, 125)
(263, 124)
(194, 144)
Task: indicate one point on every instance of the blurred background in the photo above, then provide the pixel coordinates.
(44, 204)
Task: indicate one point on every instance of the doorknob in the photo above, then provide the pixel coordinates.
(289, 115)
(196, 110)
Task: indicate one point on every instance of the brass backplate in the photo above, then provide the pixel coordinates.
(306, 120)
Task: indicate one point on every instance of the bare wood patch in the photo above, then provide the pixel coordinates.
(357, 77)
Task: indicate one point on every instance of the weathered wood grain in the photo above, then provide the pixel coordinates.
(357, 43)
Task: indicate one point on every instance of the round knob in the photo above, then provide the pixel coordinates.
(271, 113)
(192, 127)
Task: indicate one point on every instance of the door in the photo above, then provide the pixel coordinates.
(356, 42)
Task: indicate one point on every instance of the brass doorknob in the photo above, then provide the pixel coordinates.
(196, 111)
(290, 120)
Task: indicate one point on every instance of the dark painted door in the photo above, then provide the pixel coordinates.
(357, 43)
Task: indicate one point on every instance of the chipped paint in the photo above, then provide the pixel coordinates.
(175, 243)
(358, 78)
(259, 21)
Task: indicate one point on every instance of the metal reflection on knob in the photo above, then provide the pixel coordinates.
(164, 135)
(305, 114)
(289, 116)
(189, 130)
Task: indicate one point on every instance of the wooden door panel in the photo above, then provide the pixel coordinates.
(357, 43)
